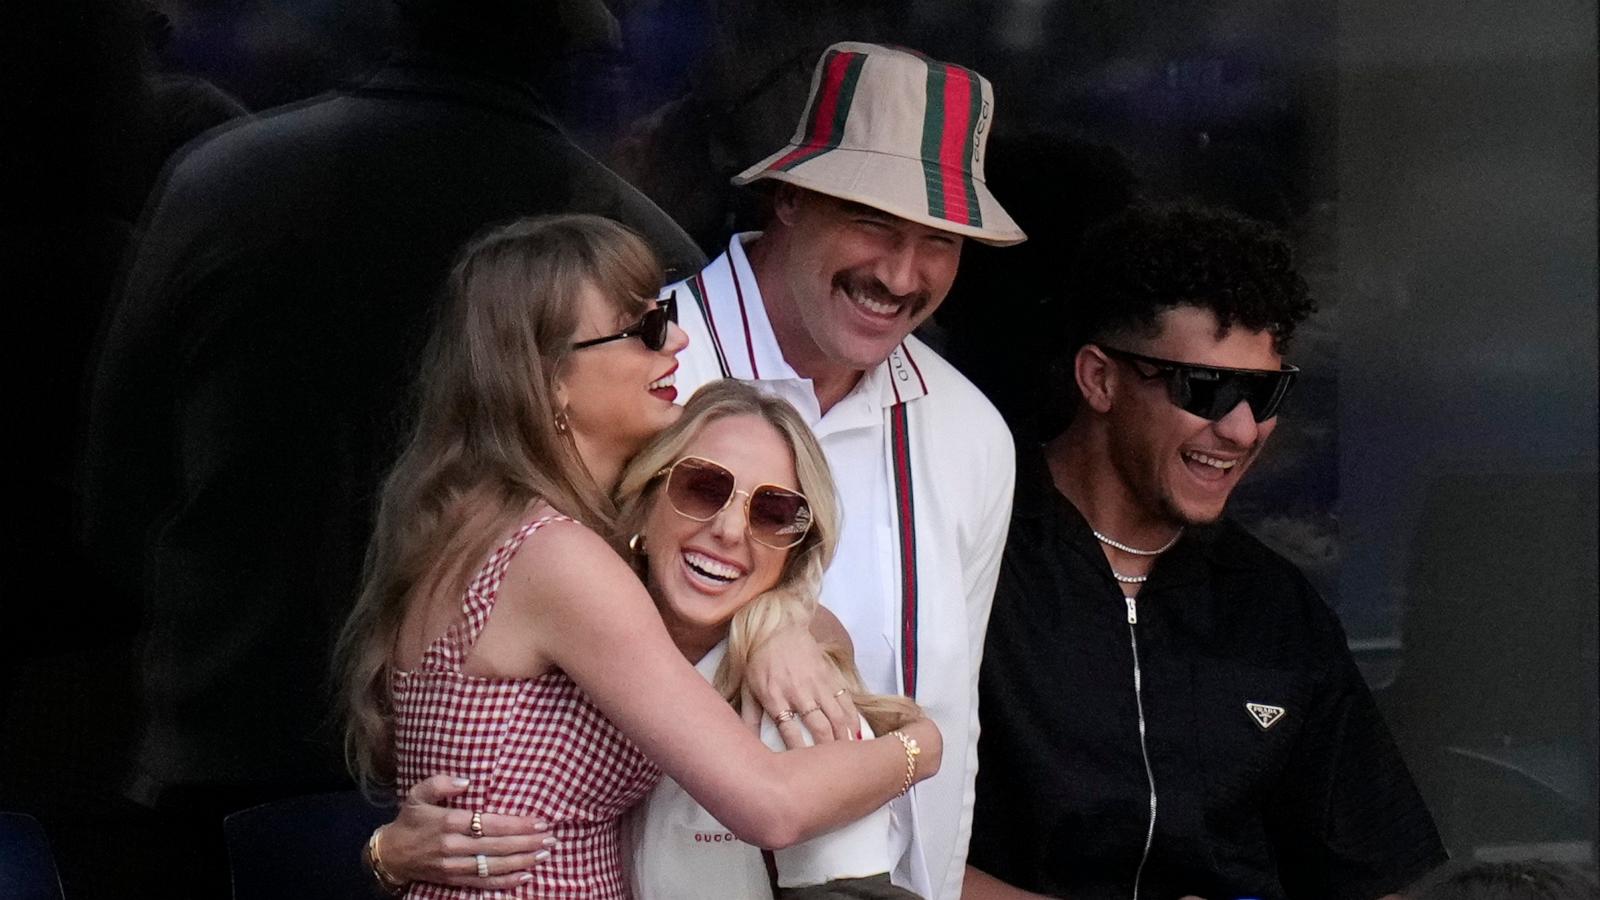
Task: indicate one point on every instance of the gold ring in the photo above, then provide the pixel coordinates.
(477, 825)
(785, 716)
(840, 693)
(812, 710)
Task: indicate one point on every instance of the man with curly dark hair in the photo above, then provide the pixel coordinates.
(1168, 707)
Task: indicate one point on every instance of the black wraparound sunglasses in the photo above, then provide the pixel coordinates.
(651, 328)
(1212, 392)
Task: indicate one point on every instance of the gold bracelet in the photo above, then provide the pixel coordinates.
(912, 752)
(390, 884)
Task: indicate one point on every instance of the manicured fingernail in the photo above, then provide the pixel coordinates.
(550, 842)
(541, 826)
(461, 782)
(541, 856)
(526, 877)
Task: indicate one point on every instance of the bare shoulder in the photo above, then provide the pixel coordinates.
(563, 558)
(563, 579)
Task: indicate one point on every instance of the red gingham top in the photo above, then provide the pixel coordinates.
(533, 746)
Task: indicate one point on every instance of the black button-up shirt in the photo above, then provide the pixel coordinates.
(1316, 804)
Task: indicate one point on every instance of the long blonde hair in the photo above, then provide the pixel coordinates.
(485, 446)
(794, 598)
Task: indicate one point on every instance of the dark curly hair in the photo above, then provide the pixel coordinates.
(1151, 258)
(1523, 880)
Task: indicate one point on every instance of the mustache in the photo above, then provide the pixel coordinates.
(861, 283)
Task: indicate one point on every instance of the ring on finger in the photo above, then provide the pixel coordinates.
(840, 693)
(812, 710)
(785, 716)
(483, 865)
(476, 829)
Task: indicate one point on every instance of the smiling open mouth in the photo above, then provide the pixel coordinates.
(876, 307)
(1204, 460)
(868, 294)
(710, 569)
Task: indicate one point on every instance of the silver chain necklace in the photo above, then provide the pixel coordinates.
(1135, 550)
(1134, 579)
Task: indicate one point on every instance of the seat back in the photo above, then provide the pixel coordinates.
(27, 868)
(304, 847)
(1495, 704)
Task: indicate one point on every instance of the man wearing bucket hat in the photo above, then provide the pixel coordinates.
(872, 199)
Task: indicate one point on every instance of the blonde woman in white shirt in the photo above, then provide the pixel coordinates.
(722, 587)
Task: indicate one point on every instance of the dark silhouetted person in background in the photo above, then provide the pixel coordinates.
(251, 382)
(1002, 323)
(89, 120)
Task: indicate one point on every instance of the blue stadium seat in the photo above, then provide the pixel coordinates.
(27, 868)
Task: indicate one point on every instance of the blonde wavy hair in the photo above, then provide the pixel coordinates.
(484, 447)
(794, 598)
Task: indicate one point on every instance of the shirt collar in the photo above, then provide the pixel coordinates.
(742, 325)
(1036, 493)
(752, 351)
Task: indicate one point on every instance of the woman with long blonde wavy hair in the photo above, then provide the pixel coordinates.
(794, 597)
(503, 648)
(680, 850)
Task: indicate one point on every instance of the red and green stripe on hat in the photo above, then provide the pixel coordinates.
(899, 131)
(829, 110)
(955, 105)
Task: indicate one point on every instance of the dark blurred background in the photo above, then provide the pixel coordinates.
(1435, 163)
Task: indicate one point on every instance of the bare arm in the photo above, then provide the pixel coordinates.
(569, 601)
(429, 841)
(788, 671)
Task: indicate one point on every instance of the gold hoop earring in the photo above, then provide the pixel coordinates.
(562, 425)
(636, 545)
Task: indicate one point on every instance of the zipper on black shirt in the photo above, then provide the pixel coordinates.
(1149, 773)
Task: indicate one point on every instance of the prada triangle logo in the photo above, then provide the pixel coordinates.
(1265, 716)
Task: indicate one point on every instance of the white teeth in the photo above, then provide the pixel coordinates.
(1212, 461)
(664, 381)
(711, 568)
(873, 306)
